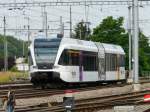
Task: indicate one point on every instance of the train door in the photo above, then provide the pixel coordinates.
(101, 62)
(75, 65)
(88, 66)
(118, 67)
(80, 66)
(121, 66)
(69, 62)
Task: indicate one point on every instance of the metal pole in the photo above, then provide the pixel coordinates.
(136, 40)
(23, 49)
(132, 32)
(28, 44)
(81, 29)
(61, 26)
(130, 46)
(5, 48)
(70, 22)
(23, 52)
(28, 26)
(46, 33)
(44, 15)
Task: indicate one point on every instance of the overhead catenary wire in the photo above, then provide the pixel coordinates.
(66, 17)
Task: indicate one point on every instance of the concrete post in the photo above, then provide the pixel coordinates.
(136, 85)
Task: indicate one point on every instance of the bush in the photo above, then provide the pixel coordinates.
(11, 63)
(14, 69)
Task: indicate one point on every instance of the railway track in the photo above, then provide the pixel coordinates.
(15, 86)
(27, 90)
(92, 104)
(30, 92)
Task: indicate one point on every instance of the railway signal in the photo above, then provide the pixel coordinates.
(147, 98)
(68, 100)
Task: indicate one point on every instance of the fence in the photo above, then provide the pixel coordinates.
(146, 74)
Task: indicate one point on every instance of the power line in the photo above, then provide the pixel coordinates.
(68, 3)
(36, 29)
(76, 12)
(22, 5)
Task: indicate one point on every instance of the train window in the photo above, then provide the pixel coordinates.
(107, 61)
(74, 58)
(90, 61)
(115, 62)
(122, 61)
(69, 57)
(111, 62)
(64, 59)
(46, 50)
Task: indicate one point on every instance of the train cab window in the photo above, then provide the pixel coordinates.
(69, 57)
(64, 59)
(87, 59)
(74, 58)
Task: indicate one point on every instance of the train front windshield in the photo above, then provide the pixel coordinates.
(46, 50)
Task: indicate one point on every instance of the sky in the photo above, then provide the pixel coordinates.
(17, 19)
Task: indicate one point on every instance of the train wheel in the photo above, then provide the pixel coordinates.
(35, 85)
(43, 86)
(124, 81)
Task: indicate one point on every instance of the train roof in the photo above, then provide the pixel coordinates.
(86, 45)
(91, 46)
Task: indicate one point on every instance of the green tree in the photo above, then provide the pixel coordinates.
(144, 50)
(82, 31)
(15, 49)
(111, 31)
(15, 46)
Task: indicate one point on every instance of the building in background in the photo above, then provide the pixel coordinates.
(21, 65)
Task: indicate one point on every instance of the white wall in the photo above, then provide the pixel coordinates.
(22, 67)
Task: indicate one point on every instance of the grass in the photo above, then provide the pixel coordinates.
(8, 77)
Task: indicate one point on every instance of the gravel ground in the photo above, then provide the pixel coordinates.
(80, 95)
(142, 108)
(77, 95)
(139, 108)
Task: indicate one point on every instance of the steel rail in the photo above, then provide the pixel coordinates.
(92, 104)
